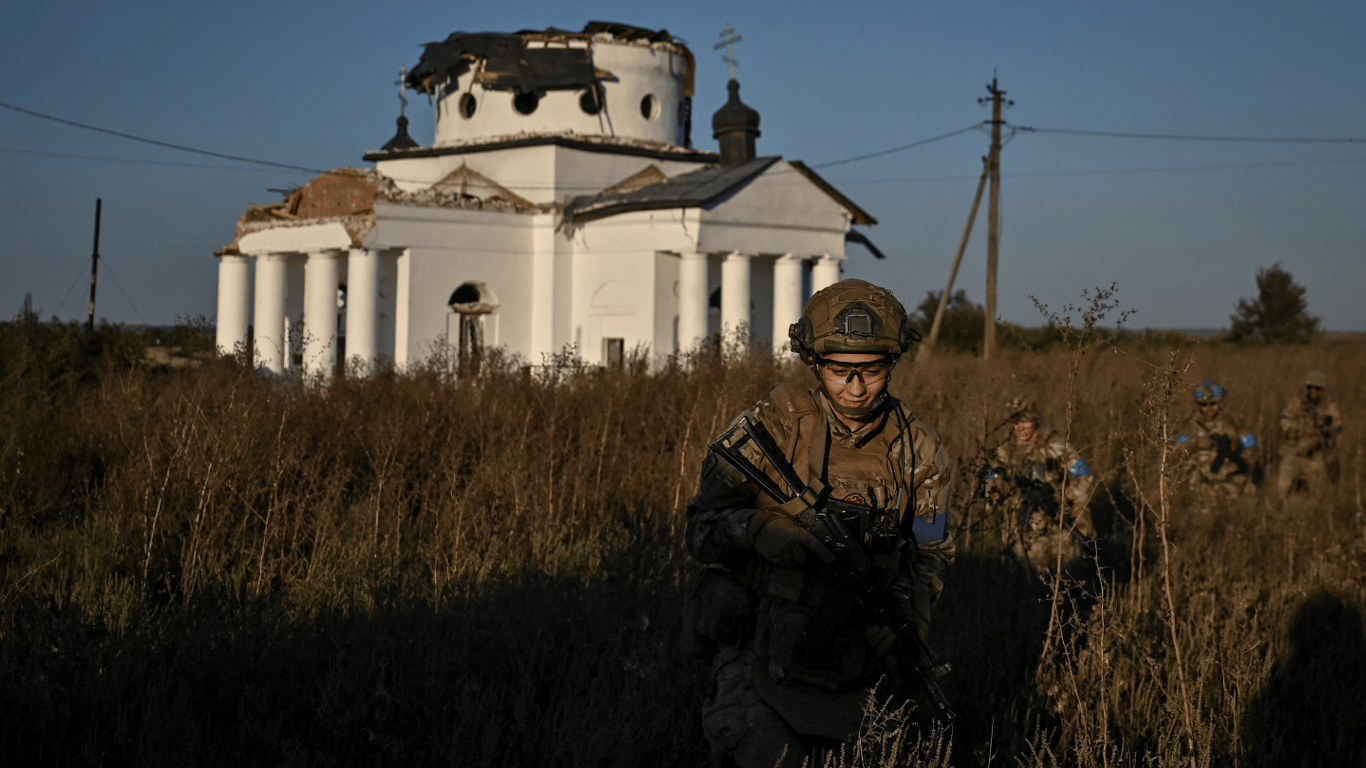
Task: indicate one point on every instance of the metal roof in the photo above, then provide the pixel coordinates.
(689, 190)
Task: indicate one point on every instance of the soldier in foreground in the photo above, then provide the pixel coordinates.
(1310, 424)
(1038, 490)
(795, 640)
(1217, 451)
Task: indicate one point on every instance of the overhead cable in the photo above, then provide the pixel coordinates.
(1175, 137)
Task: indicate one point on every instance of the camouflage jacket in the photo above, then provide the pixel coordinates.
(1309, 429)
(1201, 437)
(1046, 458)
(899, 466)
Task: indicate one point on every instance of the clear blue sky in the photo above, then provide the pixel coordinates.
(1181, 226)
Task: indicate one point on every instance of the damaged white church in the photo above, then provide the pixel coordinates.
(561, 203)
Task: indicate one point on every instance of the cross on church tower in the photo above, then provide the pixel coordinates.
(728, 40)
(402, 97)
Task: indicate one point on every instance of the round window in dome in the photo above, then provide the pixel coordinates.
(467, 105)
(649, 107)
(526, 103)
(593, 99)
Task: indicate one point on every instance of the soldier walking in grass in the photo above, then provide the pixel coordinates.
(1038, 489)
(1217, 452)
(794, 654)
(1310, 424)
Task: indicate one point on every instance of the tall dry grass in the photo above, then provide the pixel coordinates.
(205, 567)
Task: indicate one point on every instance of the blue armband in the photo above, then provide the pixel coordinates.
(1183, 439)
(1079, 469)
(1247, 441)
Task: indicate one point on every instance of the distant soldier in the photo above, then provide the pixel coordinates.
(1217, 451)
(1310, 425)
(1038, 490)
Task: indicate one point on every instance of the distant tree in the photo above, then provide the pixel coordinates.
(961, 328)
(1278, 315)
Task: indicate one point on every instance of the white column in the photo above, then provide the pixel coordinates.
(234, 294)
(543, 290)
(692, 300)
(825, 272)
(734, 293)
(320, 313)
(270, 311)
(403, 268)
(362, 311)
(787, 298)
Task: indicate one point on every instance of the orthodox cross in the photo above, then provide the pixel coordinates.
(402, 97)
(729, 39)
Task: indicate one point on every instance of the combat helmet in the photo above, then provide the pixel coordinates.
(852, 316)
(1208, 392)
(1316, 378)
(1021, 408)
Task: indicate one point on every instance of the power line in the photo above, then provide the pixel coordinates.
(921, 143)
(1177, 137)
(68, 156)
(160, 143)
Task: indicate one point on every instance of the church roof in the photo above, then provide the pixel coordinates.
(687, 190)
(695, 189)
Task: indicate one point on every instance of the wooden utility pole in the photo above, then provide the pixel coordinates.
(928, 349)
(993, 213)
(94, 268)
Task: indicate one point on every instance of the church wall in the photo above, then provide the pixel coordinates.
(467, 112)
(450, 247)
(779, 212)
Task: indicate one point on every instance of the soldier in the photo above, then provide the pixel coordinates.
(1310, 425)
(795, 659)
(1215, 462)
(1038, 490)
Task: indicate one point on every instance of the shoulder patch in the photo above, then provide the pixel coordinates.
(790, 399)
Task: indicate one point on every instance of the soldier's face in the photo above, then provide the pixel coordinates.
(1313, 394)
(854, 380)
(1024, 430)
(1209, 410)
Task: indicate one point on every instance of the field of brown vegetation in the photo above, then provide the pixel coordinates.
(204, 567)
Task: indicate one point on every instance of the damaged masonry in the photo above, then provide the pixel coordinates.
(559, 204)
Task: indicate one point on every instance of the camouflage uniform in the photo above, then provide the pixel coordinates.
(792, 658)
(1048, 475)
(1309, 432)
(1216, 453)
(764, 698)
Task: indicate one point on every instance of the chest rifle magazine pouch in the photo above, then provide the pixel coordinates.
(715, 611)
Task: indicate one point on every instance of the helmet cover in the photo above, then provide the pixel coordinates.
(1021, 408)
(852, 316)
(1316, 378)
(1208, 392)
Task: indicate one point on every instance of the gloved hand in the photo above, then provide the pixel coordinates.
(881, 639)
(781, 541)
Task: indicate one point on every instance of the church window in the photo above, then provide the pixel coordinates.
(593, 99)
(649, 107)
(614, 352)
(526, 103)
(467, 105)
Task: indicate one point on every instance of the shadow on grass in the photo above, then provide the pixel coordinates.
(1312, 710)
(537, 670)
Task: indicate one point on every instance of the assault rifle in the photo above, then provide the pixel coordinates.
(1036, 493)
(1226, 452)
(825, 519)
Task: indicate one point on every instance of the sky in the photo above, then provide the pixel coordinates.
(1180, 227)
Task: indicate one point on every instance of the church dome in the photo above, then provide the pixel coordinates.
(735, 125)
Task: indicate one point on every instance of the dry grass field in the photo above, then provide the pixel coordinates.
(202, 567)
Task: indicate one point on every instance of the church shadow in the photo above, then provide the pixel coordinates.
(1311, 711)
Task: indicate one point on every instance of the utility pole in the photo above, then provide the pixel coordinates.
(993, 212)
(94, 268)
(927, 349)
